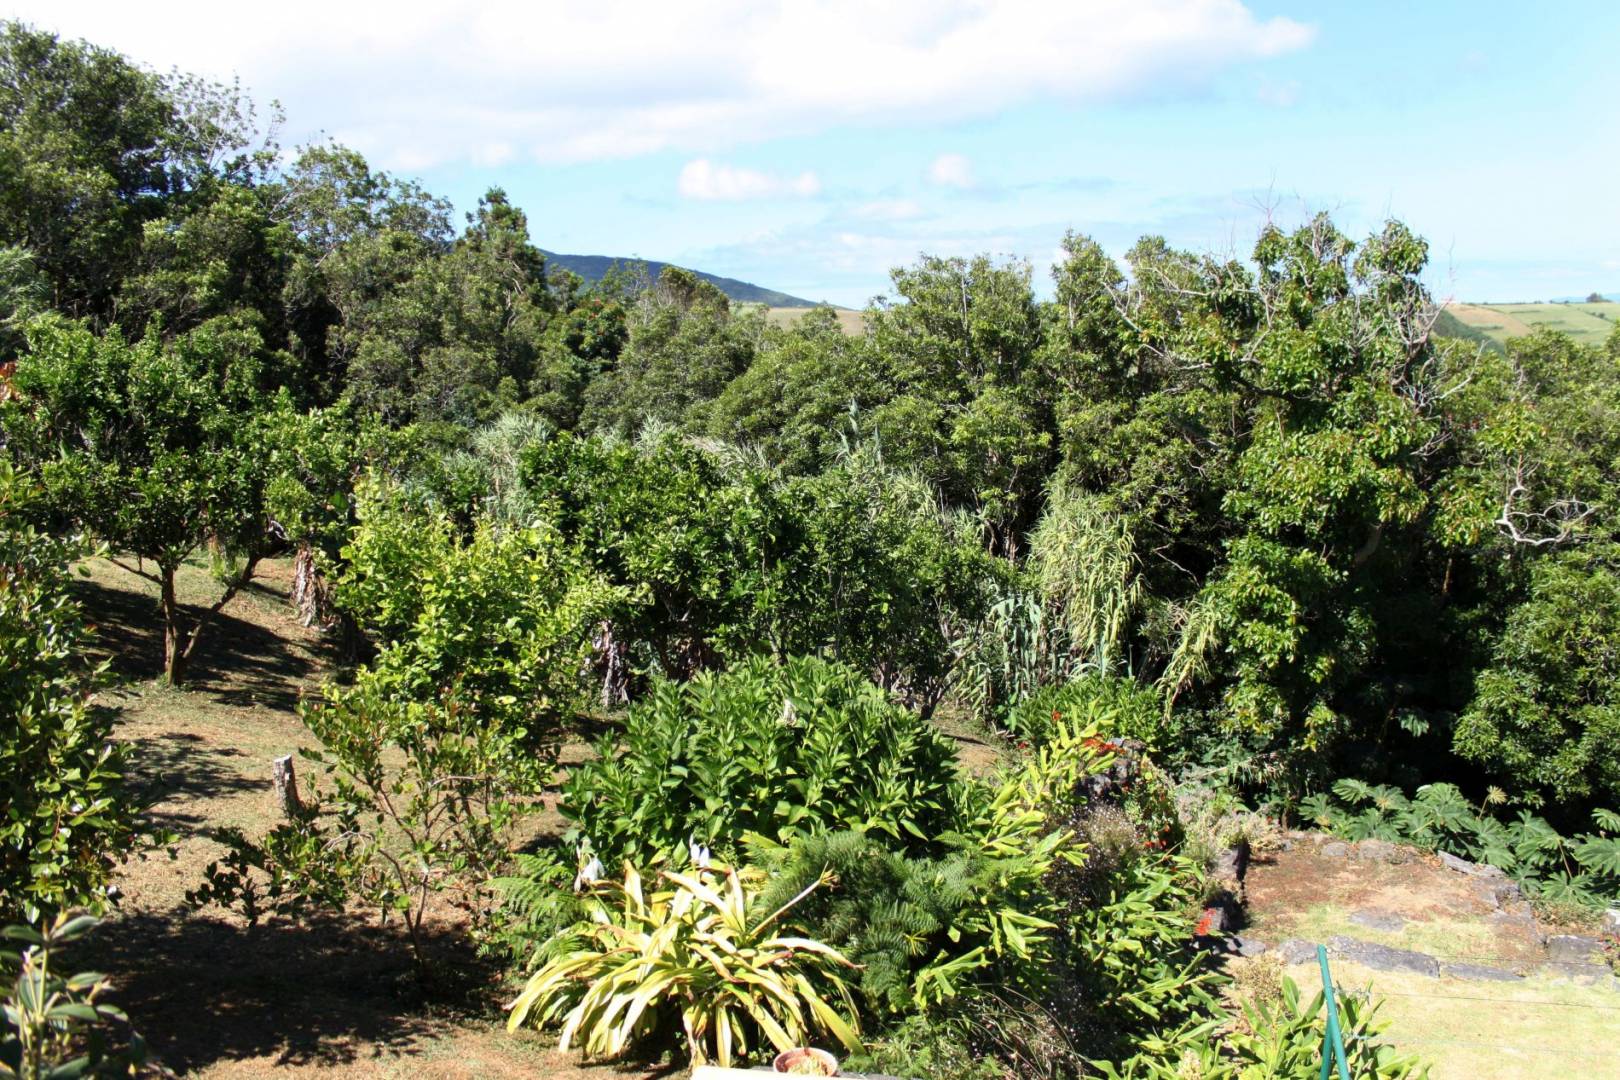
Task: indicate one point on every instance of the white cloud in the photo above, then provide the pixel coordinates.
(704, 179)
(407, 80)
(888, 210)
(951, 170)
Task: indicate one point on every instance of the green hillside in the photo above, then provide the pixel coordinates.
(592, 268)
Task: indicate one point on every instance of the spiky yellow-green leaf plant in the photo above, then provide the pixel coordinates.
(695, 950)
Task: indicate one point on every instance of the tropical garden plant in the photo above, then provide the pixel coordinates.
(67, 815)
(698, 950)
(779, 750)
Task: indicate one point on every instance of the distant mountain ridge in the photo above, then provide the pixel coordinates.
(592, 268)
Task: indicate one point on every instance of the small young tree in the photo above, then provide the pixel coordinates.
(151, 448)
(448, 738)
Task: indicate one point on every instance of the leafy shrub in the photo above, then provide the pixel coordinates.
(65, 815)
(725, 558)
(1133, 967)
(1545, 717)
(535, 903)
(941, 1046)
(1121, 707)
(926, 928)
(702, 951)
(152, 447)
(779, 750)
(59, 1027)
(1214, 820)
(502, 616)
(1582, 869)
(1283, 1040)
(918, 927)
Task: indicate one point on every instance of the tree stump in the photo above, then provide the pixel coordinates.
(286, 783)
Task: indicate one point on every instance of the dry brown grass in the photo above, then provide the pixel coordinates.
(850, 321)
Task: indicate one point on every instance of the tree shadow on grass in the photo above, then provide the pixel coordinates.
(327, 990)
(177, 768)
(237, 661)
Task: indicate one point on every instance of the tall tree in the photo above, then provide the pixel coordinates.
(969, 406)
(83, 161)
(684, 346)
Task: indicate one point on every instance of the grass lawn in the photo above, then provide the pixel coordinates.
(1534, 1029)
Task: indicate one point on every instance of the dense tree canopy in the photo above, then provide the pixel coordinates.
(1267, 487)
(1275, 517)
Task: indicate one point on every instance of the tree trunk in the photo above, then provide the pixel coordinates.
(178, 647)
(174, 656)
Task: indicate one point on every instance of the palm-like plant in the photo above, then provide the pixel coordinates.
(696, 949)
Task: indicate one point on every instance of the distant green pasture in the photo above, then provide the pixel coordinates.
(1587, 323)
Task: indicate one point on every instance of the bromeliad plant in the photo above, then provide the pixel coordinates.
(699, 951)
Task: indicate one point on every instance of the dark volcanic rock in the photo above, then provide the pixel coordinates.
(1246, 945)
(1295, 951)
(1381, 851)
(1451, 862)
(1478, 973)
(1574, 949)
(1384, 958)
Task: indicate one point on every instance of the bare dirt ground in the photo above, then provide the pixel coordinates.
(332, 996)
(1416, 904)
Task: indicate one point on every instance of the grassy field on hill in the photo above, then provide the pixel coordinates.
(849, 319)
(1589, 324)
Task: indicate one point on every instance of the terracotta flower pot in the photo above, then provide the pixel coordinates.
(806, 1061)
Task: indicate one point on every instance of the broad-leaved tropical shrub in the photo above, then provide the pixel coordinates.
(928, 925)
(1120, 707)
(56, 1025)
(699, 950)
(1133, 967)
(776, 749)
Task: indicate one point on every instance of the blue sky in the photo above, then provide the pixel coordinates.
(810, 146)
